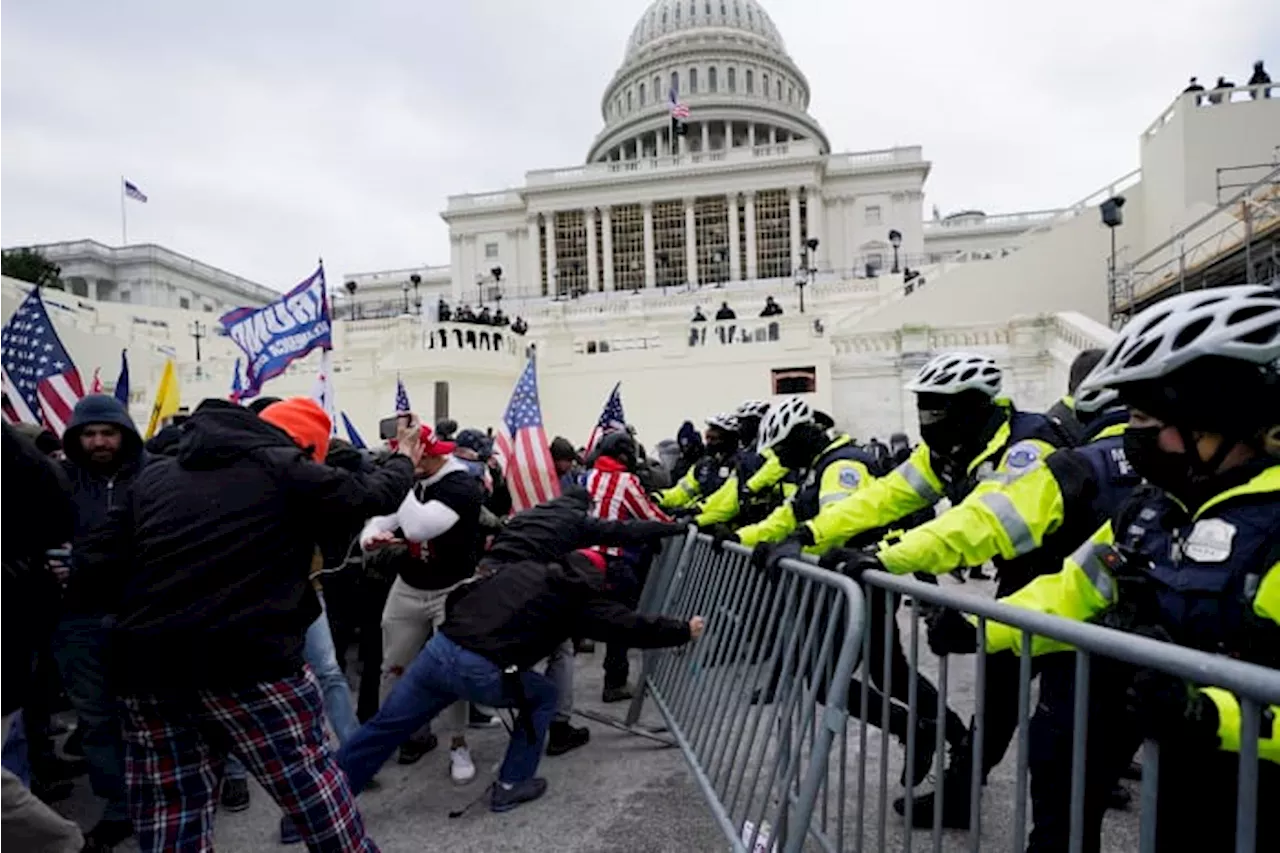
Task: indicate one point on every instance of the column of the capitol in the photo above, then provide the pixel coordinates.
(752, 267)
(690, 243)
(553, 274)
(532, 270)
(793, 197)
(649, 277)
(593, 263)
(817, 222)
(735, 259)
(606, 227)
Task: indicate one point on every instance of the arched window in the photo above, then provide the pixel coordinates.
(733, 80)
(779, 82)
(642, 94)
(677, 13)
(764, 85)
(628, 100)
(657, 88)
(664, 17)
(751, 82)
(693, 80)
(711, 79)
(791, 94)
(675, 79)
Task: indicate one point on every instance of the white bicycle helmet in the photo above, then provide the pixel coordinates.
(753, 409)
(725, 421)
(954, 372)
(1240, 322)
(1095, 399)
(782, 419)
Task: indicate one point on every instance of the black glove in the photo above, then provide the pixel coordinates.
(768, 557)
(683, 515)
(851, 562)
(952, 634)
(720, 534)
(1167, 710)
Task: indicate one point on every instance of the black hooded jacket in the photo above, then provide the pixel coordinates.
(212, 549)
(548, 531)
(37, 516)
(517, 615)
(95, 492)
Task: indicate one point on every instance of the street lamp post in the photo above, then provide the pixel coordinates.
(405, 289)
(416, 280)
(895, 240)
(351, 289)
(807, 272)
(198, 331)
(496, 272)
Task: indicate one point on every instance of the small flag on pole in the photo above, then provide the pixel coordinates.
(131, 190)
(237, 384)
(611, 419)
(402, 398)
(95, 384)
(354, 437)
(679, 110)
(522, 442)
(122, 381)
(166, 404)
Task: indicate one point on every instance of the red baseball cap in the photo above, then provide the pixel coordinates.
(432, 446)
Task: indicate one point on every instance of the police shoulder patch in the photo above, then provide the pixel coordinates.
(849, 478)
(1022, 456)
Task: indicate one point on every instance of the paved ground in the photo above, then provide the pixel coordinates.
(620, 794)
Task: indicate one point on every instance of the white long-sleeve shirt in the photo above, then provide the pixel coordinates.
(420, 522)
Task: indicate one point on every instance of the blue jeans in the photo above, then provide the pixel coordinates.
(320, 655)
(15, 758)
(80, 647)
(441, 674)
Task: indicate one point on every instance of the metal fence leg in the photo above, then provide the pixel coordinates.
(1247, 790)
(1079, 736)
(1024, 747)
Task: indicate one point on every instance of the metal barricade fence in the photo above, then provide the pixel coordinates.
(757, 703)
(1093, 648)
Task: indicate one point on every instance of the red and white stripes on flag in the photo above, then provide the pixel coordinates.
(41, 383)
(522, 444)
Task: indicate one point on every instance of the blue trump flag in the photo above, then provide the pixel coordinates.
(356, 441)
(274, 336)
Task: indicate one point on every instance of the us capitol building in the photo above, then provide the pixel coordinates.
(607, 260)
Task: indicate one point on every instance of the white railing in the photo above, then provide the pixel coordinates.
(502, 198)
(1207, 100)
(429, 275)
(999, 221)
(852, 160)
(151, 253)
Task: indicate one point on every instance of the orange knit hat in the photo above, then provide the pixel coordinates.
(304, 420)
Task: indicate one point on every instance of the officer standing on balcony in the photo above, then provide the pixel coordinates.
(1193, 558)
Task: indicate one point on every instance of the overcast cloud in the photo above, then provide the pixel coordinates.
(269, 132)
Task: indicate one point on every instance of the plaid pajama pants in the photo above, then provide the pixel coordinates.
(176, 745)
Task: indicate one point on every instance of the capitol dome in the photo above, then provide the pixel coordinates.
(727, 62)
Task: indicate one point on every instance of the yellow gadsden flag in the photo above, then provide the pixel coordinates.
(166, 404)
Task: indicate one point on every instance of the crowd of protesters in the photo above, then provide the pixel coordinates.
(196, 598)
(484, 317)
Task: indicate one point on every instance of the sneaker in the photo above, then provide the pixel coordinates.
(289, 831)
(616, 694)
(563, 737)
(235, 794)
(478, 718)
(955, 802)
(412, 750)
(109, 833)
(461, 768)
(505, 798)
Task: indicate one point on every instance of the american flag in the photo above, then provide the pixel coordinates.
(237, 384)
(611, 419)
(402, 398)
(40, 379)
(522, 443)
(679, 110)
(132, 191)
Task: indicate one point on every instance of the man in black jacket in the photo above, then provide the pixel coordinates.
(211, 550)
(104, 456)
(37, 516)
(533, 593)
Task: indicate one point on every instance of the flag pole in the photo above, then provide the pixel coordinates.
(124, 221)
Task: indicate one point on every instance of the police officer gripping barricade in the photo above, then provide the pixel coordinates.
(974, 441)
(1028, 519)
(532, 593)
(709, 473)
(1192, 558)
(755, 487)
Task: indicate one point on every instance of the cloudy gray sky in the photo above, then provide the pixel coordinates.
(269, 132)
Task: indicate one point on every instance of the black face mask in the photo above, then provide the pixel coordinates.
(1168, 471)
(721, 448)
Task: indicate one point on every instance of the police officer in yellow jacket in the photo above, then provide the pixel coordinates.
(709, 473)
(1073, 490)
(1194, 558)
(754, 488)
(833, 469)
